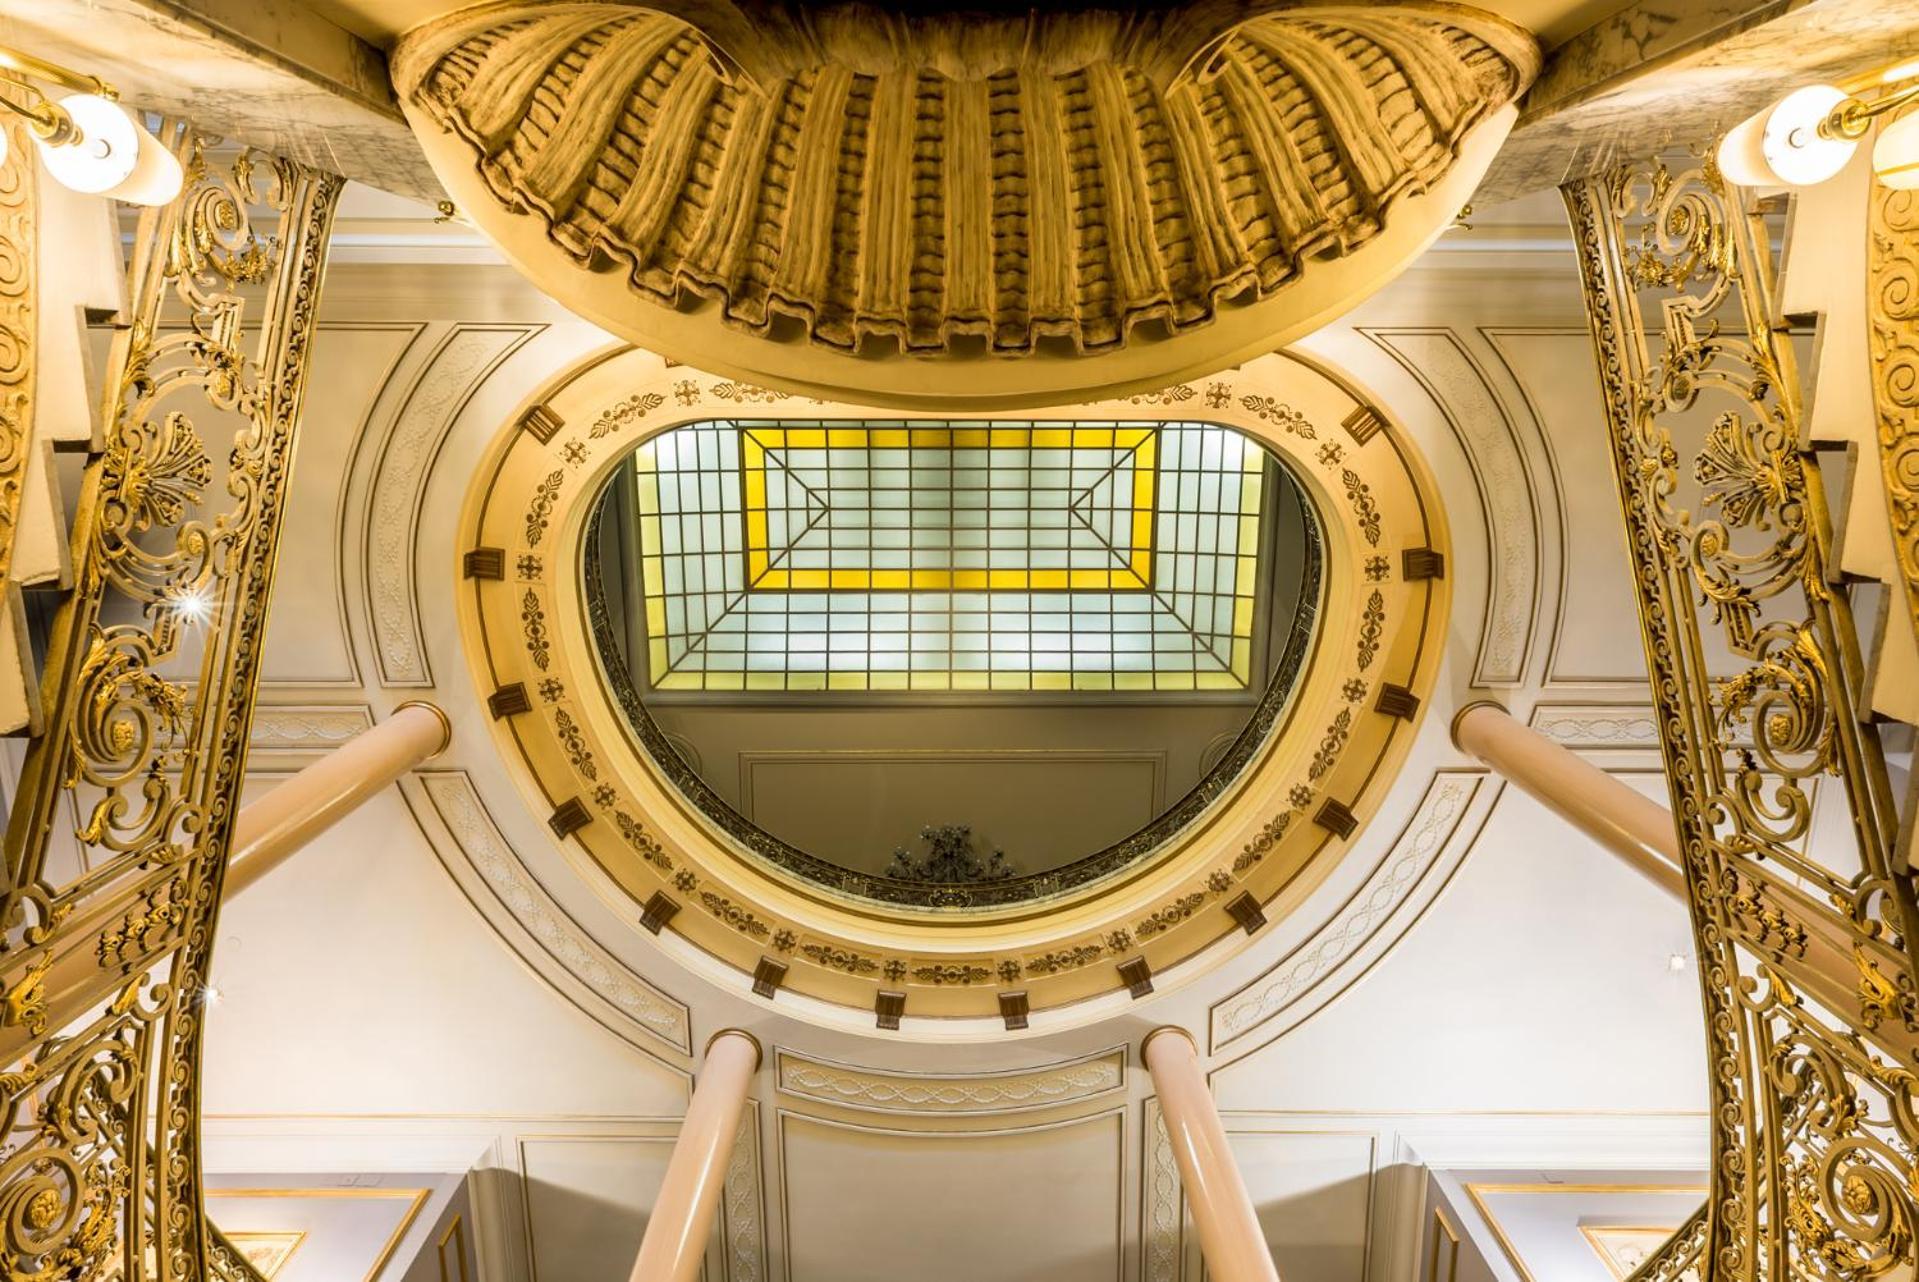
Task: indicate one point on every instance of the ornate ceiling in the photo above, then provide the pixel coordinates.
(1324, 744)
(492, 999)
(913, 211)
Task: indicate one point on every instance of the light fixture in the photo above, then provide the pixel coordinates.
(110, 155)
(1809, 135)
(1788, 146)
(1895, 156)
(88, 142)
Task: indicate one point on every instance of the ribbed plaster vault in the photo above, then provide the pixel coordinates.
(934, 210)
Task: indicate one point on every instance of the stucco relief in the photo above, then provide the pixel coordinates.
(893, 1092)
(1162, 1204)
(1441, 363)
(450, 377)
(1598, 726)
(289, 728)
(1440, 814)
(464, 814)
(743, 1203)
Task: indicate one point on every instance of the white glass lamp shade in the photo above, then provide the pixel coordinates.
(1895, 157)
(113, 156)
(1783, 147)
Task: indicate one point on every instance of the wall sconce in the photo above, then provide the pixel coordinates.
(87, 141)
(1809, 135)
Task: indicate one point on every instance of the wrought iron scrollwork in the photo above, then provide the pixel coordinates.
(117, 843)
(1806, 967)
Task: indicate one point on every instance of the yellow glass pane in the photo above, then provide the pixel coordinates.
(1242, 661)
(746, 513)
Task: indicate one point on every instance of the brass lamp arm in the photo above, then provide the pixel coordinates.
(1852, 118)
(48, 119)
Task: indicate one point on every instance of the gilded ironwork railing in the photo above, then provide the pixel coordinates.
(117, 843)
(1803, 938)
(1892, 314)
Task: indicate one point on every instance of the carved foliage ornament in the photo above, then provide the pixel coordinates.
(850, 181)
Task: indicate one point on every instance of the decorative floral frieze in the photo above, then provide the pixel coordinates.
(540, 511)
(533, 622)
(840, 959)
(1372, 626)
(1280, 415)
(1166, 918)
(625, 414)
(1365, 510)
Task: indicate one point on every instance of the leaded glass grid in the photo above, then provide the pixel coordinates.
(938, 556)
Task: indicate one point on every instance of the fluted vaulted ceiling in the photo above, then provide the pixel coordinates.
(901, 209)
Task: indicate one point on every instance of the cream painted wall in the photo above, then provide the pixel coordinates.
(1474, 985)
(357, 979)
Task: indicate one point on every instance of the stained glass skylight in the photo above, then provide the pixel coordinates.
(937, 556)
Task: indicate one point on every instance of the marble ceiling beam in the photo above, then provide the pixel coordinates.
(1695, 67)
(270, 73)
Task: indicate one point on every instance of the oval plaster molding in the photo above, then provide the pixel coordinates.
(1441, 814)
(1441, 363)
(442, 387)
(458, 804)
(574, 749)
(999, 214)
(879, 1091)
